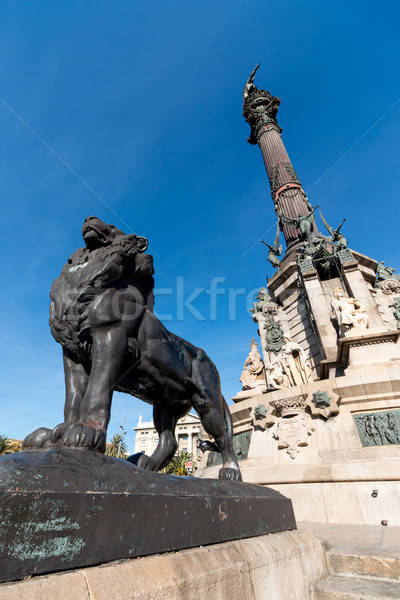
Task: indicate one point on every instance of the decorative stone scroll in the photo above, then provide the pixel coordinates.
(378, 428)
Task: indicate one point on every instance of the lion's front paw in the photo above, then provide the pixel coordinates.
(85, 436)
(145, 462)
(37, 439)
(230, 474)
(58, 431)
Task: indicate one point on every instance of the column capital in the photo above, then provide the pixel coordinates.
(259, 109)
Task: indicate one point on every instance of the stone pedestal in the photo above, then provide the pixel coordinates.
(64, 509)
(332, 445)
(280, 566)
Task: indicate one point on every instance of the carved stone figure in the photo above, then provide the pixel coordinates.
(275, 250)
(303, 222)
(294, 364)
(253, 373)
(335, 235)
(276, 376)
(348, 312)
(101, 314)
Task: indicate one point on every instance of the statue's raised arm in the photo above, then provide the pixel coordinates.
(249, 86)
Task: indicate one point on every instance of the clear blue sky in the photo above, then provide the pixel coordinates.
(142, 101)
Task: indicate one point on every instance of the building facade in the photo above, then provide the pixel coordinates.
(186, 432)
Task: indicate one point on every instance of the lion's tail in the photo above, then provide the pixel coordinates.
(228, 418)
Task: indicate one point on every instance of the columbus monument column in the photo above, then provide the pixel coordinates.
(260, 109)
(323, 425)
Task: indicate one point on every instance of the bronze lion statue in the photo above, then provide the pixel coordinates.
(101, 312)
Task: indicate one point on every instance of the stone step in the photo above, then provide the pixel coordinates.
(364, 562)
(335, 587)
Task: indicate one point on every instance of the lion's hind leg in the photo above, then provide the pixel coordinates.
(165, 420)
(212, 416)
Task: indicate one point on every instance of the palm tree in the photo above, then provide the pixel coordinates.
(177, 465)
(5, 444)
(114, 446)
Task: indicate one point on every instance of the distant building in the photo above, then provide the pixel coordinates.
(186, 433)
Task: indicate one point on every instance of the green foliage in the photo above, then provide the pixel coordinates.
(112, 448)
(177, 465)
(5, 445)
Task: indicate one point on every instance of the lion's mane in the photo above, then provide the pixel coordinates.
(116, 264)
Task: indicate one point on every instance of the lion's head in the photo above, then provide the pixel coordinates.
(110, 259)
(96, 234)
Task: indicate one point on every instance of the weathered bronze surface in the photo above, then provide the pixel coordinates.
(101, 313)
(67, 508)
(241, 444)
(275, 250)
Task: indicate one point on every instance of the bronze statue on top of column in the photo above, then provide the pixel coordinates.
(259, 108)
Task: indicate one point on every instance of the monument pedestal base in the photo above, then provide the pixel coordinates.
(69, 508)
(280, 566)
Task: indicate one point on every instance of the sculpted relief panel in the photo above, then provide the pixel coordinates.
(378, 428)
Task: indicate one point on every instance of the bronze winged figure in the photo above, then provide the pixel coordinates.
(335, 234)
(275, 250)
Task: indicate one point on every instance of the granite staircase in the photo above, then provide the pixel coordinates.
(355, 573)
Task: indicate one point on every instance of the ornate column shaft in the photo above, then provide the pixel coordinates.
(290, 201)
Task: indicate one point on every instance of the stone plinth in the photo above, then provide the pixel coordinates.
(63, 509)
(281, 566)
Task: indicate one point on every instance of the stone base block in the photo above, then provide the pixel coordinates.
(63, 509)
(282, 566)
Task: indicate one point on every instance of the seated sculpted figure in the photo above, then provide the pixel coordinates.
(253, 373)
(276, 377)
(348, 312)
